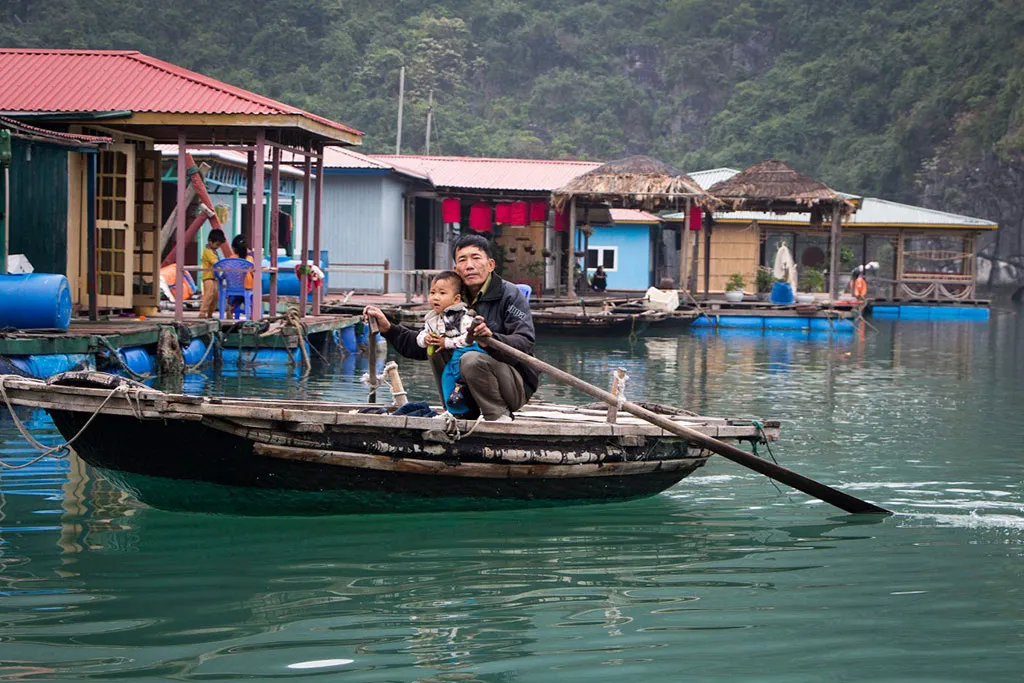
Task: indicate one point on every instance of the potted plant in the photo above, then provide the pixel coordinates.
(811, 280)
(734, 287)
(763, 281)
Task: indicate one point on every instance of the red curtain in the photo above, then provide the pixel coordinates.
(517, 213)
(538, 212)
(480, 217)
(451, 210)
(696, 217)
(562, 220)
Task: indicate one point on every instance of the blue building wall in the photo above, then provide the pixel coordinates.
(634, 253)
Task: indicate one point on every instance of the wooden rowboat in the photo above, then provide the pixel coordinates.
(259, 456)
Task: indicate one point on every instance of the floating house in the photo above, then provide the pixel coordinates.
(628, 248)
(379, 217)
(41, 202)
(507, 198)
(112, 199)
(923, 254)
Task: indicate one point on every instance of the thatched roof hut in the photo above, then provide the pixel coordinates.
(636, 182)
(774, 186)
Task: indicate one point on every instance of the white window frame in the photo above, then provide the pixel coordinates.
(601, 249)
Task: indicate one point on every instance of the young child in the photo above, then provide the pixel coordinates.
(445, 326)
(210, 288)
(447, 317)
(241, 249)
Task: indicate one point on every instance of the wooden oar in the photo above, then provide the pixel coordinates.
(371, 356)
(843, 501)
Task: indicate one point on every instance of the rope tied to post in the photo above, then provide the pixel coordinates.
(292, 316)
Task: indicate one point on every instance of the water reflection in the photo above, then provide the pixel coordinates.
(919, 416)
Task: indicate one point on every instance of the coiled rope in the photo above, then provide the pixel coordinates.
(292, 316)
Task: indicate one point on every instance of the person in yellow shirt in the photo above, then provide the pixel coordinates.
(210, 288)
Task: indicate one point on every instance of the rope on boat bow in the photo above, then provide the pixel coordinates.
(60, 451)
(451, 426)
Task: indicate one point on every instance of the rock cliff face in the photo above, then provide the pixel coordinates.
(988, 187)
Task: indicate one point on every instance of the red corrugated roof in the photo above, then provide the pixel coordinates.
(119, 80)
(339, 157)
(57, 137)
(528, 175)
(633, 216)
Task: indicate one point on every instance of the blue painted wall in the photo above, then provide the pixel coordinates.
(634, 243)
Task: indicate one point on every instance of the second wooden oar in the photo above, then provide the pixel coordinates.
(843, 501)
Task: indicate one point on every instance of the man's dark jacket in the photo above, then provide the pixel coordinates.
(507, 314)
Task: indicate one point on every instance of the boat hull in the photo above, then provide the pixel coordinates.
(189, 465)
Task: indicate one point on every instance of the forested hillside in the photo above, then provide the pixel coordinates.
(911, 100)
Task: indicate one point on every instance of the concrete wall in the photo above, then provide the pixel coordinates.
(362, 223)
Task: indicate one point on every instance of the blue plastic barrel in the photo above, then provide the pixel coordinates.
(35, 301)
(782, 293)
(139, 360)
(287, 280)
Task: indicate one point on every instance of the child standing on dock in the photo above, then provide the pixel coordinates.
(445, 327)
(210, 288)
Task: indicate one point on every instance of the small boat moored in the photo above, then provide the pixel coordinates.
(271, 457)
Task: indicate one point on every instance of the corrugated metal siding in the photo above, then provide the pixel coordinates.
(39, 206)
(362, 223)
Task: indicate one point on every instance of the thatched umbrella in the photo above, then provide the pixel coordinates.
(636, 182)
(774, 186)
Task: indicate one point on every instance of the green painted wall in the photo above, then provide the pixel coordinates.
(39, 205)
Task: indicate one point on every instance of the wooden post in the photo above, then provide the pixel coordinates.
(571, 289)
(707, 260)
(307, 168)
(387, 267)
(275, 197)
(684, 246)
(694, 258)
(318, 291)
(5, 233)
(90, 239)
(397, 388)
(618, 382)
(256, 212)
(179, 236)
(835, 246)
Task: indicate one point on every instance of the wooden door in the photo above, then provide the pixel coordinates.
(146, 279)
(115, 217)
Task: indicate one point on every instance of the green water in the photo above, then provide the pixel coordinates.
(723, 578)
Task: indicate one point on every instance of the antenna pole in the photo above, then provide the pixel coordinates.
(401, 103)
(430, 115)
